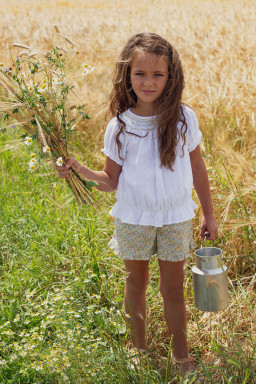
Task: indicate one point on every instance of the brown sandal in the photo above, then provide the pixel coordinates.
(185, 364)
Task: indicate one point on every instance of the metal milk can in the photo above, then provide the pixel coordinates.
(209, 280)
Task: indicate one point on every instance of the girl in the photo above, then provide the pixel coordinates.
(153, 159)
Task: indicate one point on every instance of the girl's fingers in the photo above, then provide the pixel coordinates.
(62, 172)
(64, 175)
(203, 230)
(58, 168)
(70, 161)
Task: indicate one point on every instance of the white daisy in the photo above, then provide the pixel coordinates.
(46, 149)
(59, 162)
(32, 167)
(28, 140)
(87, 69)
(30, 85)
(32, 161)
(22, 76)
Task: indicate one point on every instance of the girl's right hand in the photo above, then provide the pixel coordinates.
(65, 170)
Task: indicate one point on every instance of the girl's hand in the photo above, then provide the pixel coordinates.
(209, 225)
(65, 170)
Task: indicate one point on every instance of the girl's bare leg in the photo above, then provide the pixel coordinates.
(171, 288)
(135, 299)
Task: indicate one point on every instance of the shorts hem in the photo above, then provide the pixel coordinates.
(172, 246)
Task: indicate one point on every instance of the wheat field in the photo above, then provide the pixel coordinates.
(216, 42)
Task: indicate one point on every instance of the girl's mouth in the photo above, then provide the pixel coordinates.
(148, 91)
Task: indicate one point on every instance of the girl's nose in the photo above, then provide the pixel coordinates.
(148, 80)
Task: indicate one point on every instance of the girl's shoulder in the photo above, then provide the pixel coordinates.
(189, 114)
(193, 134)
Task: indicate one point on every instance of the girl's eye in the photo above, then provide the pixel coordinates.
(158, 75)
(139, 74)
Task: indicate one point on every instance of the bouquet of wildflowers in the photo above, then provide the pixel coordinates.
(34, 92)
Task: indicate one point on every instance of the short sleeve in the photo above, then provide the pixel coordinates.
(194, 135)
(110, 146)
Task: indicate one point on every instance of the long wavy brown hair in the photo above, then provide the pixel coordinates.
(167, 108)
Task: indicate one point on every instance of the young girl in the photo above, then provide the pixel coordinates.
(153, 159)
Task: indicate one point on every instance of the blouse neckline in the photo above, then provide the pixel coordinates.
(138, 117)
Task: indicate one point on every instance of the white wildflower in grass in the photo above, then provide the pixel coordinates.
(56, 81)
(32, 167)
(33, 70)
(22, 76)
(87, 69)
(13, 358)
(128, 316)
(59, 161)
(30, 86)
(50, 317)
(46, 148)
(41, 90)
(28, 140)
(39, 107)
(72, 128)
(33, 155)
(8, 333)
(2, 362)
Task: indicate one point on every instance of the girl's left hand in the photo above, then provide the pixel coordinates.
(209, 225)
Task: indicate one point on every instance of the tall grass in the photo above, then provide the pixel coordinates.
(60, 286)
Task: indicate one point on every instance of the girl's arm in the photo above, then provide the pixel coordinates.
(202, 187)
(107, 179)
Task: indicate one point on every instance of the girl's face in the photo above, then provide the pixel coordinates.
(149, 75)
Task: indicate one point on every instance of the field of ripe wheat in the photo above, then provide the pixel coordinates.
(61, 317)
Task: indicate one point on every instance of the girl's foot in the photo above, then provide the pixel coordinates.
(138, 356)
(185, 365)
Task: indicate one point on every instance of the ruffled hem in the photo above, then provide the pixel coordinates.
(132, 215)
(196, 142)
(112, 157)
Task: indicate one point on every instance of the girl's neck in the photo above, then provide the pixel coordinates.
(145, 110)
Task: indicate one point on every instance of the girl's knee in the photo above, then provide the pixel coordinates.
(137, 283)
(172, 292)
(137, 276)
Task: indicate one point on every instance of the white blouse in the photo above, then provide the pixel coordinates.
(148, 194)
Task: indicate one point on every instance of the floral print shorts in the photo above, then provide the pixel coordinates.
(171, 242)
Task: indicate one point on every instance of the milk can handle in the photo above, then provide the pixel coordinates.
(206, 234)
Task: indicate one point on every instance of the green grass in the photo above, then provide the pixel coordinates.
(61, 295)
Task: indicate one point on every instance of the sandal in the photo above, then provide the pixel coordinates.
(137, 356)
(185, 364)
